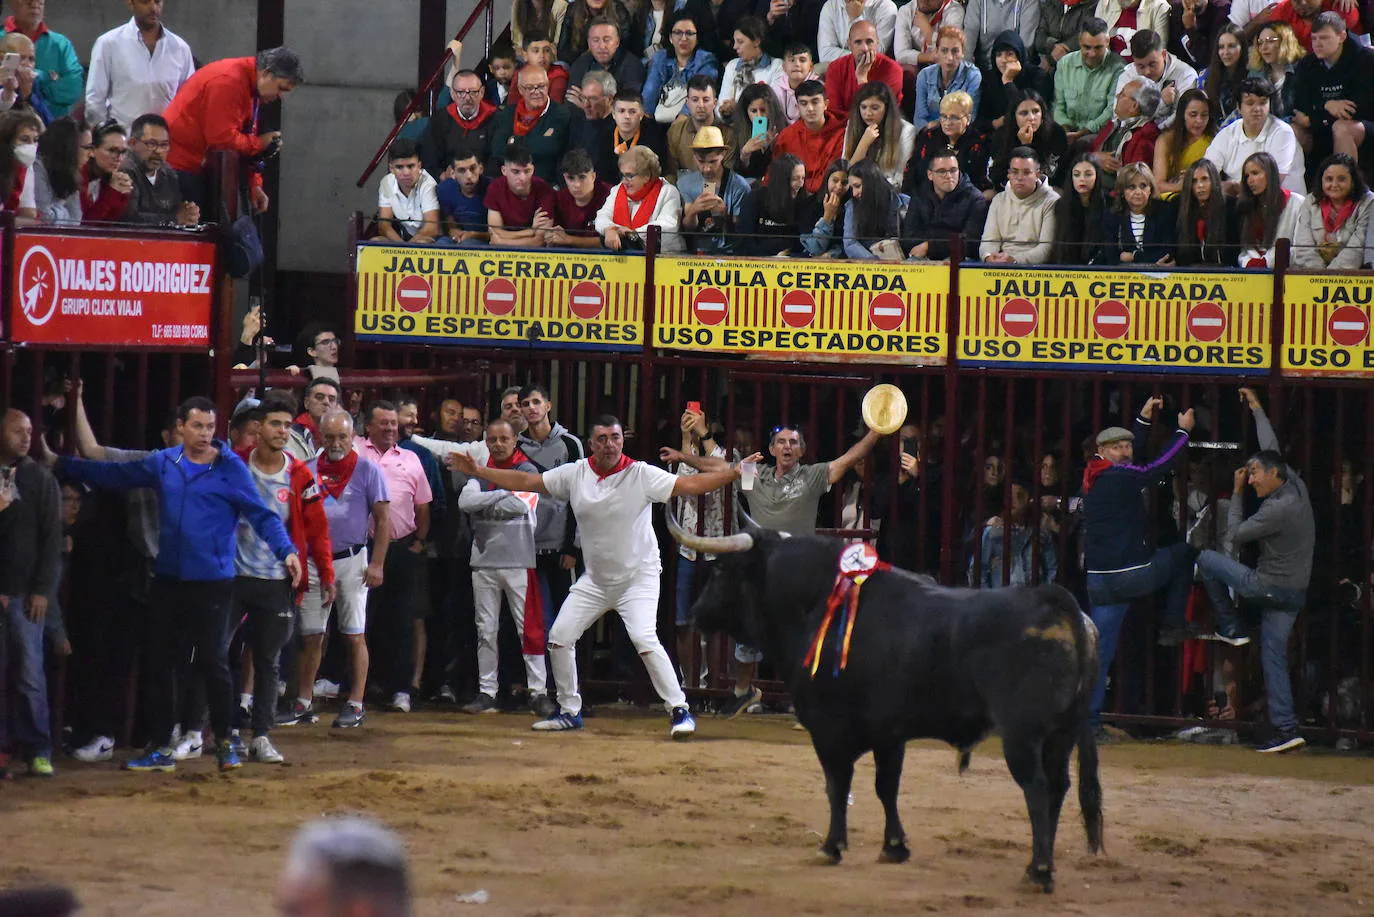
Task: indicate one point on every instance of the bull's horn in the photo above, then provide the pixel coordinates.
(710, 544)
(746, 521)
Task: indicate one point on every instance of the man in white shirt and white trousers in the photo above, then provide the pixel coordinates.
(611, 496)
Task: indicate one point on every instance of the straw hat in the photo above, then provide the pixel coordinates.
(709, 138)
(884, 408)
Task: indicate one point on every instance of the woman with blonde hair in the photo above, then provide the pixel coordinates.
(642, 199)
(1274, 55)
(1144, 229)
(877, 131)
(956, 132)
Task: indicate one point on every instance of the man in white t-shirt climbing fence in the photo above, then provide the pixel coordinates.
(610, 495)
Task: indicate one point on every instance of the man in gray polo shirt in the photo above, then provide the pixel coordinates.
(1285, 533)
(786, 498)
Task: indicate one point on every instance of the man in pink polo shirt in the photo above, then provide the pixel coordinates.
(391, 607)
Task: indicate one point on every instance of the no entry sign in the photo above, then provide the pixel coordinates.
(413, 293)
(1019, 317)
(1206, 322)
(1111, 320)
(587, 300)
(498, 297)
(798, 308)
(710, 306)
(887, 311)
(1349, 326)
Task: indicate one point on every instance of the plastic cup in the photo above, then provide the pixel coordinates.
(747, 472)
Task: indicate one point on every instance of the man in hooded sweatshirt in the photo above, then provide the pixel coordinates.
(816, 138)
(984, 20)
(1020, 223)
(1012, 74)
(548, 444)
(1116, 553)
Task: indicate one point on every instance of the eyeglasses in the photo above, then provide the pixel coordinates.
(954, 171)
(954, 117)
(538, 87)
(155, 145)
(467, 92)
(1271, 40)
(322, 342)
(629, 176)
(679, 33)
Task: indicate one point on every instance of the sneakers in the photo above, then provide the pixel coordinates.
(1173, 636)
(189, 747)
(400, 702)
(351, 718)
(236, 743)
(41, 766)
(561, 722)
(262, 751)
(482, 703)
(1281, 742)
(445, 695)
(101, 748)
(153, 761)
(227, 755)
(327, 689)
(684, 724)
(1231, 635)
(541, 705)
(741, 702)
(298, 715)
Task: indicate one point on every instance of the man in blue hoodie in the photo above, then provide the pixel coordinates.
(1116, 552)
(204, 488)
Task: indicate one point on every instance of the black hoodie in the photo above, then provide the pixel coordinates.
(998, 98)
(934, 220)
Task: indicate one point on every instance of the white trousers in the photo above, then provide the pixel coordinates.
(488, 585)
(637, 603)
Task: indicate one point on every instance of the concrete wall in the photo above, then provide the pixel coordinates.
(358, 54)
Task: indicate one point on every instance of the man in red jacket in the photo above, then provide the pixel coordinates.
(816, 138)
(218, 109)
(262, 589)
(863, 64)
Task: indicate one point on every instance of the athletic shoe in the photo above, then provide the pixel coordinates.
(101, 748)
(236, 743)
(482, 703)
(445, 695)
(152, 761)
(327, 689)
(541, 705)
(400, 702)
(561, 722)
(190, 746)
(261, 751)
(741, 702)
(227, 756)
(41, 766)
(684, 725)
(1173, 636)
(1281, 742)
(351, 717)
(298, 715)
(1228, 635)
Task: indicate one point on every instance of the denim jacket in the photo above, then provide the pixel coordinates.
(663, 68)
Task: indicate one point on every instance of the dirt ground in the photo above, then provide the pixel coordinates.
(619, 820)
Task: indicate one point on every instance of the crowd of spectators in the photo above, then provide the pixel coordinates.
(1253, 113)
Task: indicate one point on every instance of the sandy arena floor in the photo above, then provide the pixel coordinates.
(619, 820)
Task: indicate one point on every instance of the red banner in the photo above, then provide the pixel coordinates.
(92, 290)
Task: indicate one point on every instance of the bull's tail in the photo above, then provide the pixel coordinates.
(1089, 789)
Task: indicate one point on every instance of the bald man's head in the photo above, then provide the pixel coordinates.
(863, 39)
(16, 436)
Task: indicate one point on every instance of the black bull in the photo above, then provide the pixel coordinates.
(925, 662)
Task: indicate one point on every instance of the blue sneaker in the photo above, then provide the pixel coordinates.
(152, 761)
(684, 724)
(559, 722)
(227, 756)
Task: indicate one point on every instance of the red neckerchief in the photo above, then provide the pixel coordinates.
(646, 198)
(625, 462)
(1333, 218)
(12, 25)
(517, 457)
(336, 475)
(305, 420)
(484, 111)
(525, 117)
(1096, 465)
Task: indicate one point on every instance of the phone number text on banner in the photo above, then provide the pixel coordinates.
(500, 297)
(90, 290)
(1125, 321)
(804, 309)
(1326, 325)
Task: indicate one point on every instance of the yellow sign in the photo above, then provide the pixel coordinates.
(1129, 321)
(1326, 325)
(500, 296)
(804, 309)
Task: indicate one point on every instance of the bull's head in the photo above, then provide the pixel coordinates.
(730, 601)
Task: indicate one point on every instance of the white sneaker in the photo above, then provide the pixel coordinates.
(261, 750)
(326, 689)
(189, 747)
(400, 702)
(101, 748)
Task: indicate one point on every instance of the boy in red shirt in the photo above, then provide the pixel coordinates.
(520, 206)
(576, 203)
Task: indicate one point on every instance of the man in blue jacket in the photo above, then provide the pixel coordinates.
(204, 488)
(1116, 551)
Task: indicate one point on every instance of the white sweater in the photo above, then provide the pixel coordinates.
(833, 33)
(1288, 220)
(667, 216)
(1023, 228)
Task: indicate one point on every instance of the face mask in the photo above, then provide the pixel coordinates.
(26, 153)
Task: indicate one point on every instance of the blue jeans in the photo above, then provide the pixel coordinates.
(1110, 596)
(1279, 611)
(21, 668)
